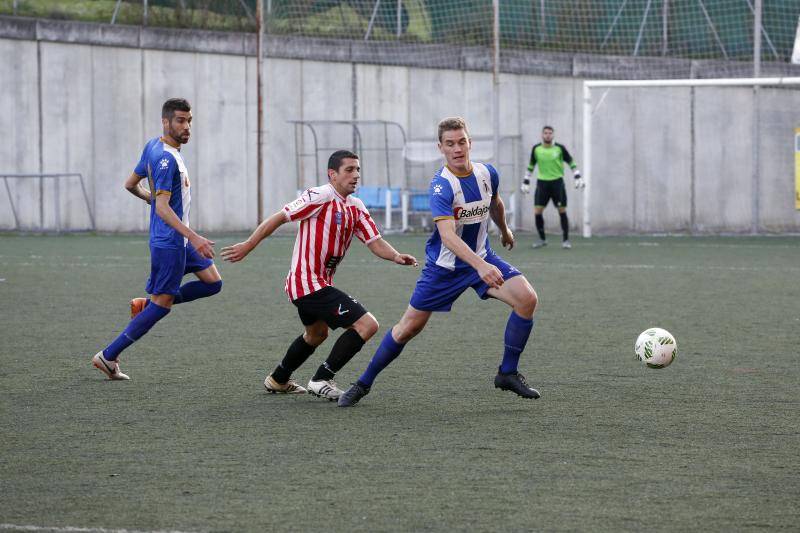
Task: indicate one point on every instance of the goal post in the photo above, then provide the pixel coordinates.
(588, 111)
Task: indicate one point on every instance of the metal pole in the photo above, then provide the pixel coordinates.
(144, 13)
(587, 159)
(694, 82)
(641, 28)
(764, 33)
(713, 28)
(386, 154)
(496, 83)
(14, 7)
(11, 202)
(755, 185)
(260, 111)
(665, 28)
(114, 14)
(756, 115)
(542, 23)
(372, 19)
(613, 24)
(399, 17)
(757, 40)
(693, 163)
(86, 197)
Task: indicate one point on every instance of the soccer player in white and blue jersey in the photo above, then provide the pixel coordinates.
(175, 249)
(463, 197)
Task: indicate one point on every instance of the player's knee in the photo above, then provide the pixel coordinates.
(527, 302)
(315, 337)
(407, 330)
(533, 300)
(367, 326)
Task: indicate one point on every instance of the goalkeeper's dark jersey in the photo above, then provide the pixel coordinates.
(551, 161)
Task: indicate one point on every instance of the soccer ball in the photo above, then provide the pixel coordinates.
(656, 348)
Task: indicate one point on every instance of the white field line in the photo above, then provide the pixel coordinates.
(612, 266)
(692, 268)
(71, 529)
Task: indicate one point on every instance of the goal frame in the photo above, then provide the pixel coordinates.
(588, 112)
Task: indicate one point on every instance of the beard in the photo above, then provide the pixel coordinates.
(182, 138)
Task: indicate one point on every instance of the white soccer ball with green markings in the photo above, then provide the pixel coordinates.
(656, 348)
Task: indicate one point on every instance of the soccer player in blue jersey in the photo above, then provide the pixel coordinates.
(175, 249)
(463, 197)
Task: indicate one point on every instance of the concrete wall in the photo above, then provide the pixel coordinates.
(84, 98)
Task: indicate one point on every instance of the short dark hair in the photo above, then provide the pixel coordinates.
(172, 105)
(336, 158)
(548, 128)
(452, 123)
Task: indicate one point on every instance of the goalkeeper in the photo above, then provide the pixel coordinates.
(550, 157)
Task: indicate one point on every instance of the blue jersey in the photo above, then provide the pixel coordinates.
(466, 200)
(166, 173)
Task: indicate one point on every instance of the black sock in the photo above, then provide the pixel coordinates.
(345, 348)
(564, 224)
(540, 226)
(295, 356)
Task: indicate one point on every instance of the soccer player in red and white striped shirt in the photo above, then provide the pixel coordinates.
(329, 217)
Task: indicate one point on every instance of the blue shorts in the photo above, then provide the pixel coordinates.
(437, 288)
(169, 265)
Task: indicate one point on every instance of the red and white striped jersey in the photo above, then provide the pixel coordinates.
(328, 222)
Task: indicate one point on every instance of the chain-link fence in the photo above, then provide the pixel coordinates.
(688, 29)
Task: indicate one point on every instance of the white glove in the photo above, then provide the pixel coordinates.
(525, 188)
(580, 183)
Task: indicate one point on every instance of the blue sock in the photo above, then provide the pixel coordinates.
(518, 330)
(196, 289)
(135, 329)
(385, 354)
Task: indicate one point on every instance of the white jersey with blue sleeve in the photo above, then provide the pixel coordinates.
(163, 166)
(466, 200)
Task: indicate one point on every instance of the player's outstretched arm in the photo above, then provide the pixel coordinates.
(489, 273)
(384, 250)
(497, 210)
(237, 252)
(203, 246)
(133, 185)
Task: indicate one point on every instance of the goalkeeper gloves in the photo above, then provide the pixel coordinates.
(525, 188)
(580, 183)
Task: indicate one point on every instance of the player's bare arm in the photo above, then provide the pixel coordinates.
(490, 274)
(384, 250)
(203, 246)
(497, 210)
(134, 186)
(236, 252)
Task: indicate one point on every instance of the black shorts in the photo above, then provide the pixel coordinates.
(550, 190)
(334, 307)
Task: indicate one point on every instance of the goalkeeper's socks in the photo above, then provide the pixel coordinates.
(564, 225)
(387, 352)
(196, 289)
(518, 330)
(540, 226)
(136, 329)
(295, 356)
